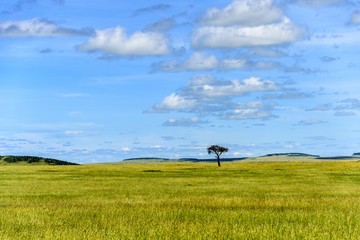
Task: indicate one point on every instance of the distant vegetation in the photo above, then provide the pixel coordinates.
(25, 160)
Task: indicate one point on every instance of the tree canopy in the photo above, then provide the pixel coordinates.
(217, 150)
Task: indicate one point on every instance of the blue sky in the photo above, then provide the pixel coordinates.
(97, 81)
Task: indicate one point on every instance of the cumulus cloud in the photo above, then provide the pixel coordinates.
(173, 102)
(250, 110)
(237, 63)
(239, 36)
(207, 95)
(207, 86)
(76, 133)
(266, 52)
(125, 149)
(206, 61)
(244, 12)
(241, 114)
(256, 104)
(355, 18)
(196, 61)
(245, 23)
(183, 122)
(200, 60)
(116, 41)
(37, 27)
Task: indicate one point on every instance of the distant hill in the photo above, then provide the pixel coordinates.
(291, 155)
(273, 157)
(31, 160)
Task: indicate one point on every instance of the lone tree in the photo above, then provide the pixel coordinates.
(217, 150)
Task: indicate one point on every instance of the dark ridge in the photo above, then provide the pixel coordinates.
(291, 155)
(356, 154)
(32, 159)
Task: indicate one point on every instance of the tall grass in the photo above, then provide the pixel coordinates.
(181, 201)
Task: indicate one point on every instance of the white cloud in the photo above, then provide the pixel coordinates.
(238, 36)
(214, 88)
(250, 110)
(266, 52)
(205, 61)
(241, 114)
(236, 63)
(248, 154)
(207, 95)
(202, 79)
(201, 60)
(244, 12)
(125, 149)
(236, 154)
(173, 102)
(196, 61)
(256, 104)
(75, 133)
(355, 18)
(182, 122)
(116, 41)
(37, 28)
(232, 63)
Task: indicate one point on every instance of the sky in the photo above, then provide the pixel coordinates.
(99, 81)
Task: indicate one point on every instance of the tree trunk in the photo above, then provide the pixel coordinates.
(218, 158)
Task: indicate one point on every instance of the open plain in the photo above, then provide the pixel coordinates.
(274, 200)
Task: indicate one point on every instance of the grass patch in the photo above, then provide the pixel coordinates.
(152, 170)
(279, 200)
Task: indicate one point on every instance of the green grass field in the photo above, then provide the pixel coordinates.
(279, 200)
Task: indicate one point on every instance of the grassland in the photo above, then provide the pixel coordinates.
(277, 200)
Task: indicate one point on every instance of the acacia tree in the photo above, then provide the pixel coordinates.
(217, 150)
